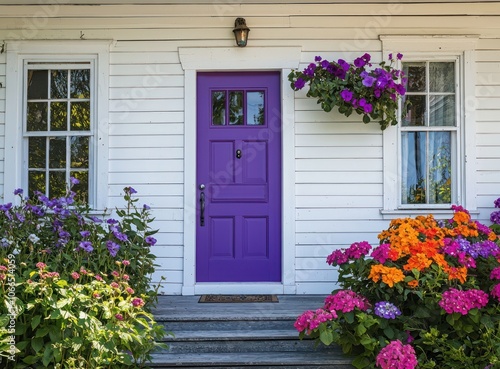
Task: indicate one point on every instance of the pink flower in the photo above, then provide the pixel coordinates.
(495, 273)
(114, 285)
(98, 277)
(75, 275)
(96, 295)
(397, 356)
(337, 257)
(138, 302)
(126, 262)
(457, 301)
(83, 271)
(495, 292)
(40, 265)
(129, 290)
(310, 320)
(381, 253)
(346, 301)
(358, 249)
(119, 316)
(3, 268)
(115, 274)
(126, 277)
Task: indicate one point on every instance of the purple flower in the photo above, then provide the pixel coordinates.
(390, 56)
(309, 71)
(387, 310)
(74, 181)
(18, 191)
(120, 236)
(112, 247)
(346, 95)
(495, 217)
(368, 81)
(359, 63)
(497, 203)
(111, 221)
(20, 217)
(317, 58)
(368, 108)
(95, 219)
(146, 207)
(299, 83)
(400, 56)
(151, 241)
(85, 234)
(86, 246)
(325, 64)
(344, 65)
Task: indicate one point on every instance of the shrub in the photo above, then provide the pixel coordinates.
(427, 296)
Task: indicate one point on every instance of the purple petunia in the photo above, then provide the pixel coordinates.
(112, 247)
(495, 217)
(18, 191)
(151, 241)
(346, 95)
(86, 246)
(85, 234)
(299, 83)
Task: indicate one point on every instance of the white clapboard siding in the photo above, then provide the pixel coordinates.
(338, 160)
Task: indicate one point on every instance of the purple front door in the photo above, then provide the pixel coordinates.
(238, 177)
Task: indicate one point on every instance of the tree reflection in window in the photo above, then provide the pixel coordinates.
(58, 129)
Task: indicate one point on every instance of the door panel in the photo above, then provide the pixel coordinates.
(239, 166)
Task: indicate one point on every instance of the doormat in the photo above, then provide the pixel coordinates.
(237, 298)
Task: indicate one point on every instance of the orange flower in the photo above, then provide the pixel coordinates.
(492, 236)
(413, 283)
(389, 275)
(418, 261)
(459, 273)
(461, 217)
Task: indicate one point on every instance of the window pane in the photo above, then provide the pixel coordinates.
(442, 110)
(57, 152)
(255, 108)
(37, 116)
(442, 77)
(36, 152)
(439, 167)
(38, 84)
(236, 108)
(79, 152)
(219, 108)
(80, 116)
(80, 84)
(416, 110)
(415, 73)
(36, 181)
(58, 116)
(57, 184)
(59, 84)
(414, 170)
(81, 189)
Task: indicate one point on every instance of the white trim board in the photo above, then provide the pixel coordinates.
(242, 59)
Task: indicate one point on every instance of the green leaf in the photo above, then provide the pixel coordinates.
(389, 332)
(30, 359)
(47, 356)
(366, 119)
(360, 362)
(42, 332)
(360, 330)
(35, 321)
(349, 317)
(37, 343)
(326, 337)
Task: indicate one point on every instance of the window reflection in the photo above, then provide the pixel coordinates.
(255, 108)
(236, 108)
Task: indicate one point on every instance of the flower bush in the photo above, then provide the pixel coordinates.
(62, 232)
(373, 93)
(79, 322)
(495, 217)
(427, 297)
(75, 287)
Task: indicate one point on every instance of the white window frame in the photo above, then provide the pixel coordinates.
(435, 48)
(61, 51)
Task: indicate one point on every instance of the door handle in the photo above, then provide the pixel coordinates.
(202, 209)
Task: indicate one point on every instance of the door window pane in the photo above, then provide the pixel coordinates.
(255, 108)
(236, 108)
(219, 108)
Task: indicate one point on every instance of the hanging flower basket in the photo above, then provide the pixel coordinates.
(357, 87)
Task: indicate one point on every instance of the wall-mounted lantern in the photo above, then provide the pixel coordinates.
(241, 32)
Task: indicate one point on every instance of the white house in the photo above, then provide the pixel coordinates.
(251, 183)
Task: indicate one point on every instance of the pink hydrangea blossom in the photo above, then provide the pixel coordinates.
(310, 320)
(397, 356)
(358, 249)
(457, 301)
(495, 273)
(345, 301)
(495, 292)
(381, 253)
(338, 257)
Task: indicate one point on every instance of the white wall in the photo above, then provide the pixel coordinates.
(338, 160)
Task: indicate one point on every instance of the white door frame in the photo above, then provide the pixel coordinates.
(195, 60)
